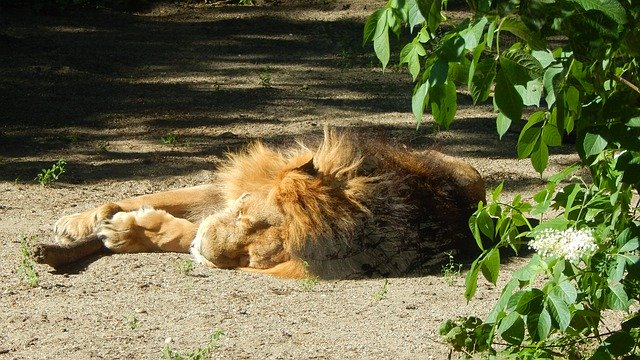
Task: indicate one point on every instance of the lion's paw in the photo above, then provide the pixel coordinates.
(133, 231)
(71, 228)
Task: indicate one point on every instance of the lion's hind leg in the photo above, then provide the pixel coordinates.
(146, 230)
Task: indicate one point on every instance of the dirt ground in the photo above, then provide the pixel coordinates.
(138, 103)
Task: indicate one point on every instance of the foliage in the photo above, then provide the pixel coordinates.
(132, 322)
(169, 138)
(201, 353)
(572, 67)
(554, 305)
(49, 176)
(451, 270)
(27, 268)
(187, 266)
(265, 77)
(587, 81)
(381, 293)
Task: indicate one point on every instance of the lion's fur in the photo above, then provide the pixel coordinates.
(348, 207)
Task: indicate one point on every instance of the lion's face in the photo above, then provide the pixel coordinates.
(240, 236)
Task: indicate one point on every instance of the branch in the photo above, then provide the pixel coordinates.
(629, 84)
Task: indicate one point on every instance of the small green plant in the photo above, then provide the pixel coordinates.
(265, 77)
(103, 146)
(186, 267)
(133, 322)
(49, 176)
(202, 353)
(73, 137)
(451, 270)
(382, 292)
(247, 2)
(309, 282)
(27, 268)
(169, 138)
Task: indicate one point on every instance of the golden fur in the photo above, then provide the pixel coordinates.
(346, 208)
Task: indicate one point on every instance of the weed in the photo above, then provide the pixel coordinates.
(382, 292)
(27, 268)
(103, 146)
(186, 267)
(169, 138)
(265, 77)
(451, 270)
(49, 176)
(133, 322)
(247, 2)
(73, 137)
(202, 353)
(309, 282)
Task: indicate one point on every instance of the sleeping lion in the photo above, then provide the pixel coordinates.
(347, 208)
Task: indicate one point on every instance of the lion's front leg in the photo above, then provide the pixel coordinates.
(179, 203)
(146, 230)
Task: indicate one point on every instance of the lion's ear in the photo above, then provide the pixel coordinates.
(308, 168)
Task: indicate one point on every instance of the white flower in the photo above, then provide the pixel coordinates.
(570, 244)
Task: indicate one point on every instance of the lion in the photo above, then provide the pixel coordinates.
(349, 207)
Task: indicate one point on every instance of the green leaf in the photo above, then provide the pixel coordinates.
(491, 266)
(433, 14)
(540, 156)
(617, 272)
(551, 135)
(438, 73)
(530, 302)
(539, 325)
(634, 122)
(410, 55)
(620, 343)
(612, 8)
(531, 93)
(452, 48)
(471, 281)
(617, 298)
(503, 301)
(472, 35)
(419, 99)
(414, 16)
(559, 311)
(520, 66)
(370, 27)
(485, 224)
(565, 173)
(502, 124)
(443, 103)
(507, 98)
(630, 245)
(495, 194)
(566, 291)
(543, 199)
(527, 141)
(547, 81)
(381, 46)
(593, 144)
(511, 329)
(482, 80)
(518, 28)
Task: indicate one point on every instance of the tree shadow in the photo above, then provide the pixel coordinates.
(74, 83)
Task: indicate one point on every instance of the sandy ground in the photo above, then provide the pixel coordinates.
(138, 103)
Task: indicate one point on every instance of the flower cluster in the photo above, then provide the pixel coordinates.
(570, 244)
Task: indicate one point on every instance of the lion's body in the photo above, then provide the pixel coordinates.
(348, 208)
